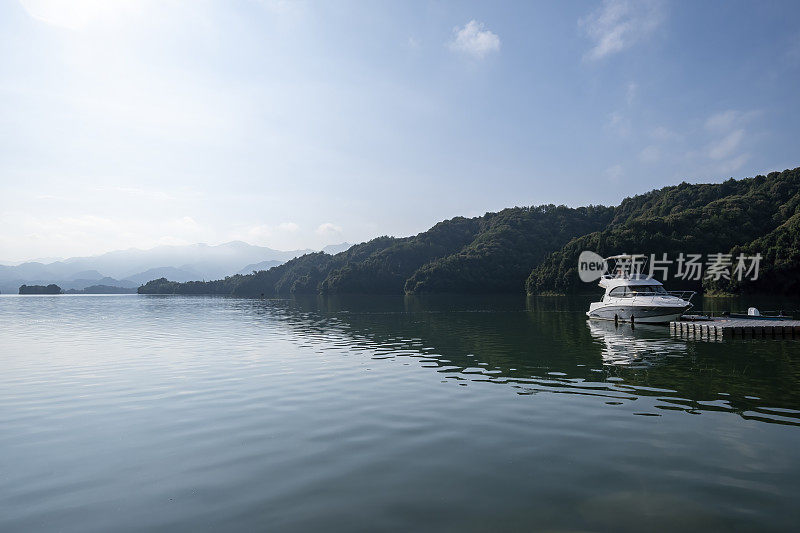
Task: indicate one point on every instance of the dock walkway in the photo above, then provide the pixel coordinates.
(726, 327)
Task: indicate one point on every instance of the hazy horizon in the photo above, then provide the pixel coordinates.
(296, 125)
(54, 259)
(45, 259)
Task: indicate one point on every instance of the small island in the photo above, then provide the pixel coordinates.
(40, 289)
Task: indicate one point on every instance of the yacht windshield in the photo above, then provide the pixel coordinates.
(636, 290)
(648, 289)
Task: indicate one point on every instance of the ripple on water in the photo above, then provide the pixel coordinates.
(133, 412)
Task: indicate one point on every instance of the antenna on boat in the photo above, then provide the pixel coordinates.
(626, 265)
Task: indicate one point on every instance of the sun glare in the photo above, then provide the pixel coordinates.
(75, 14)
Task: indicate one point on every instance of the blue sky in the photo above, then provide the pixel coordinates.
(299, 124)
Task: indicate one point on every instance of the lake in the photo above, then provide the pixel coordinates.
(131, 413)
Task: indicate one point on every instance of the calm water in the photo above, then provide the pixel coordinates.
(128, 413)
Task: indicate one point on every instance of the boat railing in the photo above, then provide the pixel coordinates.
(683, 295)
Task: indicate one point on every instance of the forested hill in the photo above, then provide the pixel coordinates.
(536, 248)
(756, 215)
(491, 253)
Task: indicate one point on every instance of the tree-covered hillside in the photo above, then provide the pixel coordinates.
(735, 216)
(780, 266)
(492, 253)
(509, 244)
(535, 249)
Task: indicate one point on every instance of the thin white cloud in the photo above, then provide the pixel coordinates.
(728, 148)
(722, 121)
(619, 123)
(725, 147)
(169, 240)
(619, 24)
(136, 192)
(614, 173)
(729, 136)
(289, 227)
(187, 223)
(660, 133)
(474, 40)
(650, 154)
(733, 164)
(631, 92)
(328, 229)
(260, 232)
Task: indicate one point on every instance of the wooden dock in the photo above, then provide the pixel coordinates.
(717, 328)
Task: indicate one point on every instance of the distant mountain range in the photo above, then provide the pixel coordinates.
(131, 268)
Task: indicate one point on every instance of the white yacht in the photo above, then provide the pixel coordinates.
(631, 296)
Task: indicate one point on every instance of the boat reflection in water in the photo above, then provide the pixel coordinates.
(635, 346)
(545, 346)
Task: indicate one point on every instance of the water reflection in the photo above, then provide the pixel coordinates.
(540, 345)
(639, 346)
(132, 413)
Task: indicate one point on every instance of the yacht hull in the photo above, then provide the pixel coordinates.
(641, 314)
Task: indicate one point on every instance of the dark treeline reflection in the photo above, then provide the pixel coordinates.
(545, 344)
